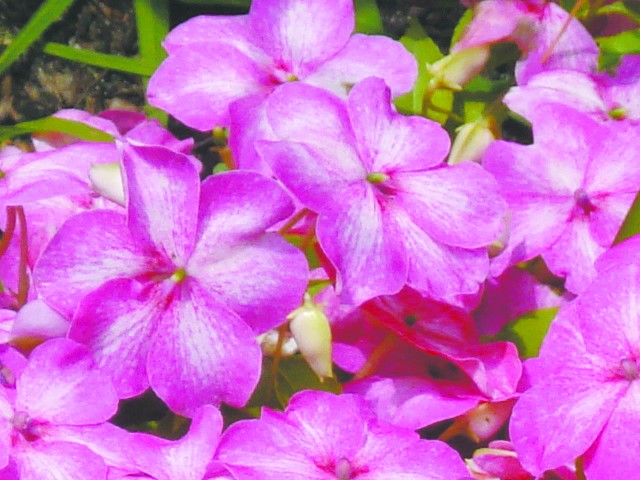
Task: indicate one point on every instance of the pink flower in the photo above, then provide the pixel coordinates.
(325, 436)
(172, 295)
(57, 390)
(214, 61)
(391, 212)
(568, 193)
(585, 399)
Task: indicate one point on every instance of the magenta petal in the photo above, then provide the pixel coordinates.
(249, 125)
(364, 247)
(60, 460)
(614, 454)
(301, 34)
(354, 63)
(459, 206)
(37, 320)
(61, 385)
(202, 353)
(196, 84)
(410, 402)
(556, 421)
(88, 250)
(115, 322)
(231, 29)
(438, 270)
(261, 280)
(575, 50)
(161, 186)
(387, 141)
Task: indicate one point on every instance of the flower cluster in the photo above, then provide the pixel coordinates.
(349, 233)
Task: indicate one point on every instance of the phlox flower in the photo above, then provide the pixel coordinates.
(322, 436)
(57, 390)
(215, 60)
(390, 211)
(537, 27)
(568, 193)
(172, 295)
(585, 399)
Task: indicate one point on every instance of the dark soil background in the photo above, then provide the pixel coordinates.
(38, 84)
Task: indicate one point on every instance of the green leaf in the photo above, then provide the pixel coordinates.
(621, 8)
(53, 124)
(152, 23)
(48, 13)
(528, 332)
(631, 224)
(621, 44)
(295, 375)
(368, 19)
(102, 60)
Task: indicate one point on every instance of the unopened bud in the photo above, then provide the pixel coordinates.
(484, 421)
(456, 69)
(312, 332)
(472, 140)
(107, 181)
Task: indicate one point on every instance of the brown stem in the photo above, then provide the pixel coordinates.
(23, 272)
(8, 231)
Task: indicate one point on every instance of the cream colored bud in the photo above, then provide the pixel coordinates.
(456, 69)
(107, 181)
(486, 419)
(472, 140)
(311, 330)
(269, 343)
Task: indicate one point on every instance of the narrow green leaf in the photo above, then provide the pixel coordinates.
(623, 43)
(102, 60)
(48, 13)
(620, 8)
(631, 224)
(53, 124)
(528, 332)
(368, 19)
(152, 22)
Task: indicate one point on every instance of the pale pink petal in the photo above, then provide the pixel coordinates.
(301, 34)
(574, 255)
(197, 83)
(202, 353)
(161, 186)
(364, 247)
(567, 87)
(37, 320)
(250, 280)
(60, 460)
(610, 212)
(389, 142)
(614, 453)
(115, 322)
(575, 49)
(90, 249)
(410, 402)
(151, 132)
(438, 270)
(498, 20)
(61, 385)
(459, 206)
(391, 62)
(249, 125)
(623, 90)
(231, 29)
(624, 253)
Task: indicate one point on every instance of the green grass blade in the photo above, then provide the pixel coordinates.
(368, 19)
(103, 60)
(53, 124)
(48, 13)
(152, 22)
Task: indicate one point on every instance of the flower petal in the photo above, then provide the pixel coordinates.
(60, 460)
(459, 206)
(202, 353)
(197, 83)
(60, 385)
(391, 62)
(115, 322)
(389, 142)
(88, 250)
(301, 34)
(364, 247)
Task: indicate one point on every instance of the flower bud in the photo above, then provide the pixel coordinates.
(472, 140)
(107, 181)
(456, 69)
(311, 330)
(484, 421)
